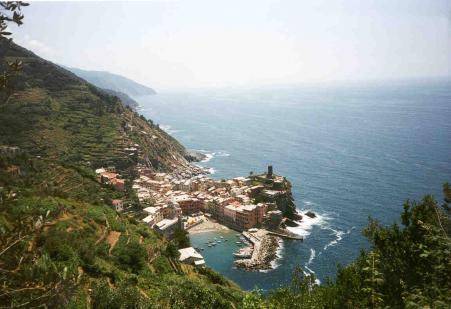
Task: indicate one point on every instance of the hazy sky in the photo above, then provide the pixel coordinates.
(202, 43)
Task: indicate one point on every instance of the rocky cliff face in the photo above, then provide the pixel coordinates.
(55, 114)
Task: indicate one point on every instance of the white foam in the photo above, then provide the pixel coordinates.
(211, 170)
(168, 129)
(221, 154)
(306, 224)
(208, 157)
(312, 256)
(308, 203)
(311, 271)
(339, 236)
(279, 255)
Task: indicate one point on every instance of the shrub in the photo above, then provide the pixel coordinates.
(132, 256)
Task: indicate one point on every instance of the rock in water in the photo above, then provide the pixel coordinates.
(194, 156)
(310, 214)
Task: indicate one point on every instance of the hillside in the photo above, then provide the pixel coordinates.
(60, 243)
(125, 98)
(62, 246)
(70, 250)
(114, 82)
(55, 114)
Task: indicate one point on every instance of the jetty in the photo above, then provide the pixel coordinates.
(287, 236)
(264, 248)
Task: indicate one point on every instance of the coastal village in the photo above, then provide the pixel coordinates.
(187, 198)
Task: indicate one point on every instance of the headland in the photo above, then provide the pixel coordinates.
(260, 206)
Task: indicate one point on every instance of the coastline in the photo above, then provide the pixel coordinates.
(208, 225)
(264, 253)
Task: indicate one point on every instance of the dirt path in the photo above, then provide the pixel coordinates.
(80, 273)
(102, 237)
(143, 293)
(112, 239)
(64, 216)
(110, 284)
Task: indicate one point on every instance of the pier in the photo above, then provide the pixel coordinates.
(264, 250)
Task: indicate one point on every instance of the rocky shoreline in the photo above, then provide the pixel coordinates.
(194, 156)
(264, 252)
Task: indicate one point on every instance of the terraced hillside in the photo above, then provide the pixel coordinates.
(54, 114)
(61, 245)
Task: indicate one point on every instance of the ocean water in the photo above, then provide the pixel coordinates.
(350, 150)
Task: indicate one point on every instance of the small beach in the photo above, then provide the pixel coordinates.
(208, 225)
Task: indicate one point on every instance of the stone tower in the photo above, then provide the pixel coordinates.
(269, 174)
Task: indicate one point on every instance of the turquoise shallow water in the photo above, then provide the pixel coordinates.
(350, 151)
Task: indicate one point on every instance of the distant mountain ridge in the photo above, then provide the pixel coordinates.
(54, 113)
(125, 98)
(114, 82)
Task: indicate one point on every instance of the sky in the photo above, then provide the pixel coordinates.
(171, 44)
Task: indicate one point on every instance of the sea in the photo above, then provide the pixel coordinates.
(351, 151)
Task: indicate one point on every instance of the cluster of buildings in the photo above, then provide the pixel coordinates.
(109, 176)
(172, 196)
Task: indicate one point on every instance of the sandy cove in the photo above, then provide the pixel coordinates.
(208, 225)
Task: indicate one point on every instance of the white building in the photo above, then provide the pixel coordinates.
(191, 256)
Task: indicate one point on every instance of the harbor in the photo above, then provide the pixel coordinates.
(255, 249)
(260, 253)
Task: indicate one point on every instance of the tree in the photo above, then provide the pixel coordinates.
(10, 13)
(181, 238)
(30, 279)
(133, 256)
(373, 280)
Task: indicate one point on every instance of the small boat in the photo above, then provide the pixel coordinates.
(222, 237)
(209, 245)
(238, 242)
(225, 239)
(218, 241)
(201, 249)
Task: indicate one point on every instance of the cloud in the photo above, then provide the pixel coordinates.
(38, 47)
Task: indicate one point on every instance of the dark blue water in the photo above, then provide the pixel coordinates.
(350, 151)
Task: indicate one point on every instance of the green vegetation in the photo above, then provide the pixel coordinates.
(64, 252)
(407, 267)
(56, 115)
(61, 246)
(10, 13)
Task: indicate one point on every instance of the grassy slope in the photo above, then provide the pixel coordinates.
(72, 249)
(55, 114)
(89, 245)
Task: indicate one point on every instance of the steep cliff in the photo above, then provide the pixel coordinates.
(53, 113)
